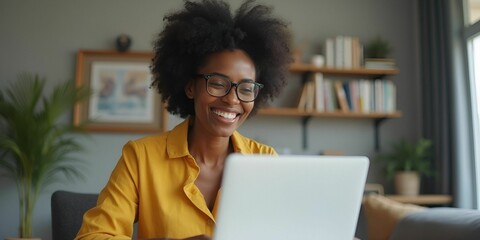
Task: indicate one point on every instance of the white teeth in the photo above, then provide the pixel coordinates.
(225, 114)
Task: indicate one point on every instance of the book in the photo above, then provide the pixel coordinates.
(356, 52)
(341, 97)
(348, 94)
(339, 55)
(307, 97)
(347, 52)
(329, 53)
(354, 95)
(310, 104)
(380, 63)
(311, 96)
(303, 98)
(389, 96)
(319, 92)
(379, 101)
(365, 96)
(330, 98)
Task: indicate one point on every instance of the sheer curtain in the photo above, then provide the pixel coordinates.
(446, 100)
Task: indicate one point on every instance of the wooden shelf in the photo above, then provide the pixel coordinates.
(423, 199)
(306, 116)
(302, 68)
(298, 113)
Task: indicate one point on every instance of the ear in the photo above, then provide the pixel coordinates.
(190, 89)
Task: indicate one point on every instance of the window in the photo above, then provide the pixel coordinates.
(472, 40)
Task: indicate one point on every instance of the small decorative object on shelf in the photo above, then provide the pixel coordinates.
(297, 56)
(123, 42)
(318, 60)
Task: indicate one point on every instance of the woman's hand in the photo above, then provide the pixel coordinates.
(199, 237)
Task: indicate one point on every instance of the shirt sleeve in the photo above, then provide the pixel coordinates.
(116, 209)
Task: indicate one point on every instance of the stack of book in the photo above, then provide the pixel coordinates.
(307, 97)
(343, 52)
(317, 95)
(361, 95)
(380, 63)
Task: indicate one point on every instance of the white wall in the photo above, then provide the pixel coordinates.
(43, 37)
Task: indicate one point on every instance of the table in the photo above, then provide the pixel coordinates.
(432, 199)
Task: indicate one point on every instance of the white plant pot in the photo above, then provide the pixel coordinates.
(407, 183)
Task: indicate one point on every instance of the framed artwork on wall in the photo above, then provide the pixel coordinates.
(120, 100)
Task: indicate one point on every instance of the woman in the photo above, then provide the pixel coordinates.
(215, 70)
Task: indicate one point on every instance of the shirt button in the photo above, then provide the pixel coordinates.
(209, 222)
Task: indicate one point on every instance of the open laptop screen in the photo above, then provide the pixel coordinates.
(290, 197)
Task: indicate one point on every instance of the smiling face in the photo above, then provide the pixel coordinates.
(221, 116)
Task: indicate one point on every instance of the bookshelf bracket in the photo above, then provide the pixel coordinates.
(381, 76)
(305, 121)
(306, 76)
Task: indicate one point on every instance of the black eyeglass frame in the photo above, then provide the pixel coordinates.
(232, 84)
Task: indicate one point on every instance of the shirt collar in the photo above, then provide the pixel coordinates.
(240, 143)
(177, 140)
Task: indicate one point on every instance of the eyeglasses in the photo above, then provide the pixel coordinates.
(219, 86)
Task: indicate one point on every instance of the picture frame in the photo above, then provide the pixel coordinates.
(120, 100)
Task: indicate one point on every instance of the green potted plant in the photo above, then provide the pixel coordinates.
(406, 163)
(378, 48)
(35, 146)
(378, 54)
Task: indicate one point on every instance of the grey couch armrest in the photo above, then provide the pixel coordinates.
(439, 224)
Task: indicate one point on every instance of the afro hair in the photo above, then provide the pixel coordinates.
(204, 27)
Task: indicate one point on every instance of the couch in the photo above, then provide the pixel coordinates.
(384, 219)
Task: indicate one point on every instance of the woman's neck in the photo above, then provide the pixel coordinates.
(208, 150)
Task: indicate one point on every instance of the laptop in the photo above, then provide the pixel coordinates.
(290, 197)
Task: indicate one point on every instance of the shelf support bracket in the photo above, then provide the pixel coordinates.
(306, 77)
(305, 121)
(376, 126)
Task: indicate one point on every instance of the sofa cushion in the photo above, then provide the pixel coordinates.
(382, 215)
(439, 224)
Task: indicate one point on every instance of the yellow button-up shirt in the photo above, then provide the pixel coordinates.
(154, 183)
